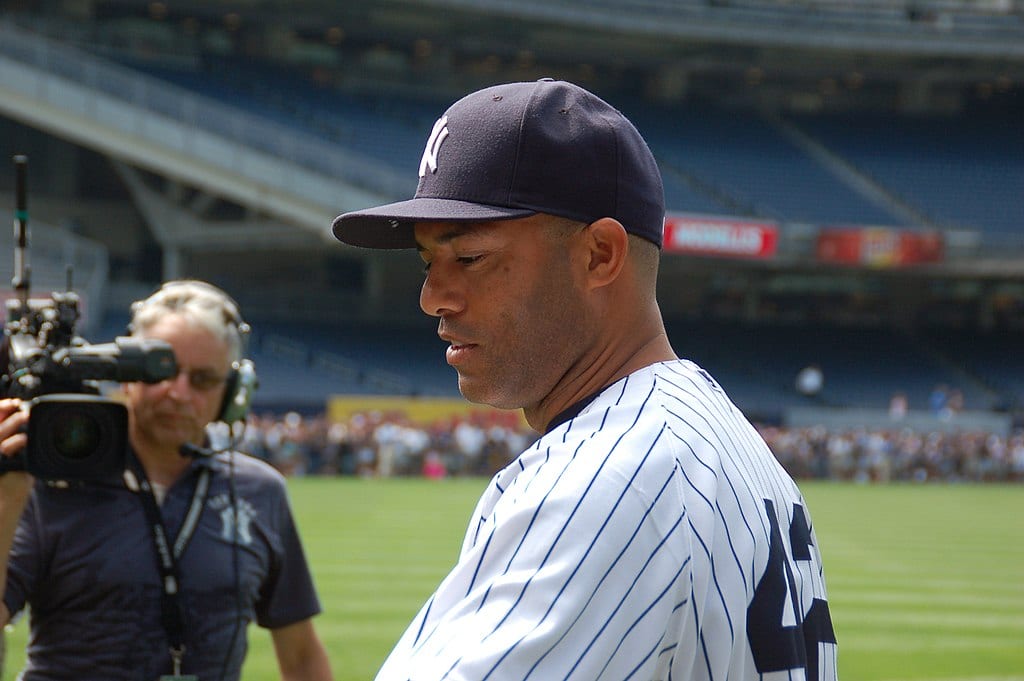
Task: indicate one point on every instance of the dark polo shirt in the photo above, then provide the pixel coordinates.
(84, 561)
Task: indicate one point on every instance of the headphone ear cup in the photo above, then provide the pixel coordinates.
(241, 383)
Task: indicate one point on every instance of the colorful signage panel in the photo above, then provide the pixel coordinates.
(878, 246)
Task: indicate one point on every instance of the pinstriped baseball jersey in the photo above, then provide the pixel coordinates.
(651, 536)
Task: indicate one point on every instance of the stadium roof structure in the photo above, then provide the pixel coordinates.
(923, 49)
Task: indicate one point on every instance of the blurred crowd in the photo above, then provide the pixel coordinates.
(876, 455)
(378, 444)
(383, 444)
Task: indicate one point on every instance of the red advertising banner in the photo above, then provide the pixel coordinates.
(723, 237)
(878, 246)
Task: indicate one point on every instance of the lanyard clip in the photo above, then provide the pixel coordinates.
(176, 655)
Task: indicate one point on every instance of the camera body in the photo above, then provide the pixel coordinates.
(74, 433)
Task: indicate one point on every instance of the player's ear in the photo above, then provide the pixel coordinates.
(608, 248)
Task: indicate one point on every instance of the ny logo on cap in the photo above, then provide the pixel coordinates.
(437, 137)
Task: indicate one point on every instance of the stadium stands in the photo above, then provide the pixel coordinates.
(288, 96)
(758, 364)
(993, 358)
(953, 171)
(957, 171)
(714, 160)
(747, 160)
(301, 368)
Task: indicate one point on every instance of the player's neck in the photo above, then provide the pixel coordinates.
(596, 374)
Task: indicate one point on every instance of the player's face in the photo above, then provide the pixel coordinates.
(507, 303)
(165, 415)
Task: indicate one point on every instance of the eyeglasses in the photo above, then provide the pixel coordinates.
(202, 379)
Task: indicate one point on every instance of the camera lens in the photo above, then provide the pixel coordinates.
(77, 437)
(76, 434)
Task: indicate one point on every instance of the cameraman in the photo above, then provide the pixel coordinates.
(104, 600)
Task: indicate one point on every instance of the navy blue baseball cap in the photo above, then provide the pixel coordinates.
(513, 150)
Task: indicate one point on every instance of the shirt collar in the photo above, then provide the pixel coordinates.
(571, 412)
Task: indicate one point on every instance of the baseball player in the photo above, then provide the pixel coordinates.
(649, 533)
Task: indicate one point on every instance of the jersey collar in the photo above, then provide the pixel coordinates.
(572, 412)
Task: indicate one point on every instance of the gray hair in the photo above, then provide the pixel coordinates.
(199, 302)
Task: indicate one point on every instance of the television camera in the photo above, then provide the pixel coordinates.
(74, 432)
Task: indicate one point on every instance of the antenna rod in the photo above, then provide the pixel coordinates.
(20, 282)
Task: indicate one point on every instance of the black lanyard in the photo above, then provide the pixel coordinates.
(172, 612)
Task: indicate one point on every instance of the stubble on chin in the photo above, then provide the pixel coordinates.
(487, 391)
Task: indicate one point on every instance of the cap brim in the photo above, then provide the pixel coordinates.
(391, 226)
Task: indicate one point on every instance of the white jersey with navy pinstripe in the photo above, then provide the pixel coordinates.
(652, 536)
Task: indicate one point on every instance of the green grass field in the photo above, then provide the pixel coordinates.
(925, 582)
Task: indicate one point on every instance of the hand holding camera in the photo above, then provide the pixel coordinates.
(14, 488)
